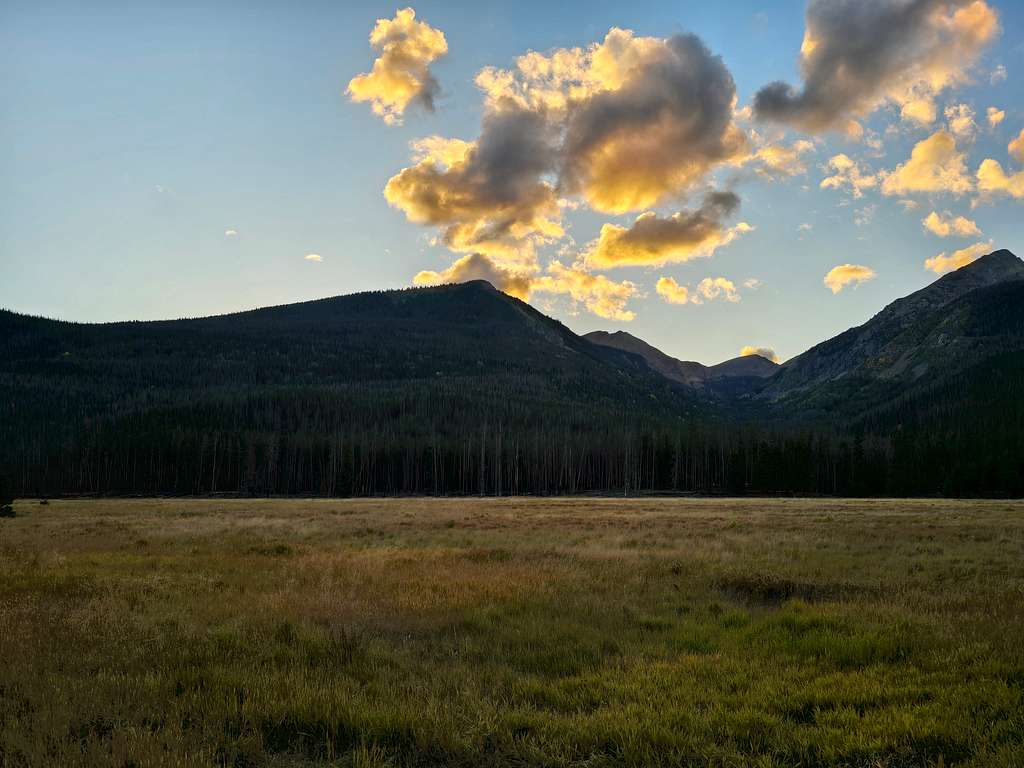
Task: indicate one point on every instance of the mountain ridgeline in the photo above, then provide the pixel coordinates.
(461, 389)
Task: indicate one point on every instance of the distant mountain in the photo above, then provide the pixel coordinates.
(731, 377)
(934, 332)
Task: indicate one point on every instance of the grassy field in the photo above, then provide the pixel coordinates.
(512, 633)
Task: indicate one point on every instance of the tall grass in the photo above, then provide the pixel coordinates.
(512, 633)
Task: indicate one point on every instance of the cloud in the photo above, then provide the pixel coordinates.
(845, 274)
(752, 283)
(847, 174)
(805, 227)
(654, 241)
(708, 289)
(765, 352)
(942, 263)
(995, 116)
(644, 119)
(960, 120)
(476, 266)
(993, 180)
(997, 75)
(1016, 147)
(777, 160)
(935, 165)
(617, 126)
(909, 205)
(230, 233)
(605, 298)
(947, 225)
(857, 55)
(401, 74)
(864, 216)
(711, 288)
(314, 257)
(489, 196)
(671, 291)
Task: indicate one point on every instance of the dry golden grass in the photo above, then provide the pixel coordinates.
(584, 632)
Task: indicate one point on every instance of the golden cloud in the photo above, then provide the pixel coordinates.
(845, 274)
(708, 289)
(942, 263)
(935, 165)
(643, 118)
(605, 298)
(856, 56)
(476, 266)
(960, 120)
(766, 352)
(671, 291)
(488, 196)
(995, 116)
(401, 74)
(993, 180)
(947, 225)
(1016, 147)
(654, 241)
(847, 174)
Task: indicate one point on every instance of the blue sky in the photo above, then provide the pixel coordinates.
(134, 136)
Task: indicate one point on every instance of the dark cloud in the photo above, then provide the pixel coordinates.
(858, 53)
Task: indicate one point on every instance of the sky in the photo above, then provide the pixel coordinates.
(710, 177)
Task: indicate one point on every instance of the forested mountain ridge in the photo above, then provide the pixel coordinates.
(931, 333)
(462, 389)
(729, 378)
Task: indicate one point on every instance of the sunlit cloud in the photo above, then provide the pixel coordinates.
(476, 266)
(314, 257)
(488, 196)
(848, 274)
(708, 289)
(935, 165)
(401, 74)
(653, 240)
(598, 294)
(848, 175)
(671, 291)
(712, 288)
(942, 263)
(947, 225)
(643, 119)
(995, 116)
(993, 180)
(230, 233)
(765, 352)
(1016, 147)
(998, 75)
(960, 121)
(856, 56)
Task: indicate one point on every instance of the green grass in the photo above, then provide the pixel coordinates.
(512, 633)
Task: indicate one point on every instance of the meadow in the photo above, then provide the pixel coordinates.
(512, 632)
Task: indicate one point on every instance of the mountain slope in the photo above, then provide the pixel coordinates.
(730, 377)
(925, 334)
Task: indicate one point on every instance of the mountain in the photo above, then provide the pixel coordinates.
(730, 377)
(461, 389)
(260, 400)
(934, 332)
